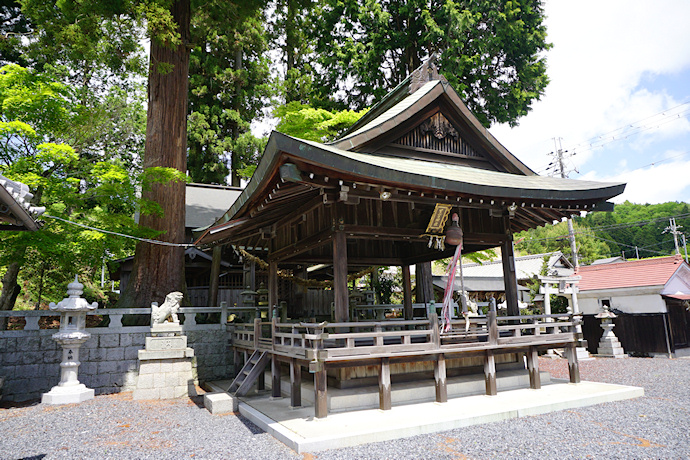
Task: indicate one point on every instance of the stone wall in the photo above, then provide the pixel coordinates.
(30, 359)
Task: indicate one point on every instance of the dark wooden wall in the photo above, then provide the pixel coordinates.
(638, 334)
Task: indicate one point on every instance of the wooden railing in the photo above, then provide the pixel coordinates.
(375, 339)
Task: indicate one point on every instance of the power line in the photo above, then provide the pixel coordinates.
(145, 240)
(671, 116)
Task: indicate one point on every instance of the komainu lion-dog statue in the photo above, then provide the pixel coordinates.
(159, 315)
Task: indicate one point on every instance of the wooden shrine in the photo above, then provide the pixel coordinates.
(366, 200)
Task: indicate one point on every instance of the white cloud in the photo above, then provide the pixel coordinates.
(667, 181)
(604, 54)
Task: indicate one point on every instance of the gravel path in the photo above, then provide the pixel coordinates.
(114, 426)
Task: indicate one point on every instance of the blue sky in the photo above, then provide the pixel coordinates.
(619, 97)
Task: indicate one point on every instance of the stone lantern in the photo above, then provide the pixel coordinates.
(248, 299)
(262, 299)
(609, 346)
(71, 336)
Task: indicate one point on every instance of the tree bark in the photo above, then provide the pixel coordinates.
(159, 269)
(10, 290)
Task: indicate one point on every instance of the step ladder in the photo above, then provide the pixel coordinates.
(251, 370)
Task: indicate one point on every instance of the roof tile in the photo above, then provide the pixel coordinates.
(629, 274)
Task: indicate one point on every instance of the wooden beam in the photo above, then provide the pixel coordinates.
(295, 383)
(272, 285)
(306, 208)
(214, 277)
(490, 373)
(573, 366)
(430, 199)
(353, 261)
(275, 376)
(303, 245)
(440, 379)
(424, 283)
(385, 384)
(320, 395)
(509, 274)
(407, 292)
(340, 293)
(533, 368)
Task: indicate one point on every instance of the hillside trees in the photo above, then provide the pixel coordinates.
(640, 226)
(555, 238)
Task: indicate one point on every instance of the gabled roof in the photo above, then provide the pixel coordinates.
(435, 103)
(419, 147)
(16, 212)
(630, 274)
(206, 203)
(534, 193)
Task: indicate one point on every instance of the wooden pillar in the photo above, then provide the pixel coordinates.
(374, 285)
(440, 377)
(385, 384)
(295, 383)
(320, 396)
(272, 286)
(249, 274)
(424, 286)
(340, 277)
(275, 375)
(573, 366)
(237, 366)
(490, 373)
(261, 381)
(215, 277)
(533, 368)
(509, 275)
(407, 292)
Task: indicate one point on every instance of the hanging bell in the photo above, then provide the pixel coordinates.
(454, 232)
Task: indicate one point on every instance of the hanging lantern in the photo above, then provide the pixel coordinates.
(454, 232)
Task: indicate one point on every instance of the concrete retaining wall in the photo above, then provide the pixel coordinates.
(30, 359)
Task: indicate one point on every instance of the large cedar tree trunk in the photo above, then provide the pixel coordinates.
(159, 270)
(10, 290)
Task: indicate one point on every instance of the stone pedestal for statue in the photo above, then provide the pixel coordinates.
(71, 336)
(165, 365)
(609, 346)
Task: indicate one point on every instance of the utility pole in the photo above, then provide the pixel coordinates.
(673, 229)
(571, 231)
(685, 247)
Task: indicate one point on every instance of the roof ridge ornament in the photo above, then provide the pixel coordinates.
(425, 73)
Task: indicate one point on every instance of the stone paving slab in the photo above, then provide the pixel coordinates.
(298, 429)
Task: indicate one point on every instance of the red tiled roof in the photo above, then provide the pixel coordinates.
(632, 273)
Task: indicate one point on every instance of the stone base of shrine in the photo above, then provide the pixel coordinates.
(165, 369)
(299, 430)
(68, 394)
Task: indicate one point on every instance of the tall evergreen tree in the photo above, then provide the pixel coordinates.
(229, 87)
(490, 51)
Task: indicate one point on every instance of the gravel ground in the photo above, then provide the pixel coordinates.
(114, 426)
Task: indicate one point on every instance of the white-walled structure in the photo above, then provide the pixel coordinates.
(650, 297)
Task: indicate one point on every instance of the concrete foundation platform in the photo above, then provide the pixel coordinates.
(299, 430)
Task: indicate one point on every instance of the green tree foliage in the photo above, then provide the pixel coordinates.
(94, 193)
(320, 125)
(555, 238)
(639, 225)
(289, 29)
(490, 51)
(13, 26)
(89, 43)
(228, 88)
